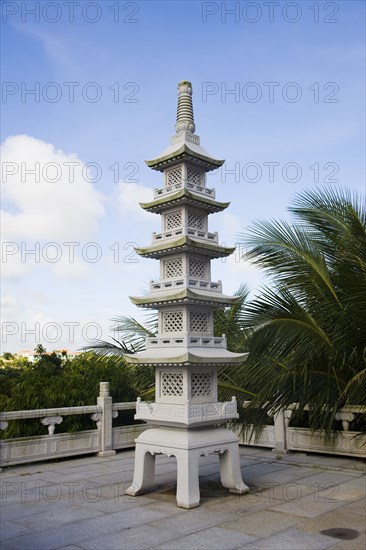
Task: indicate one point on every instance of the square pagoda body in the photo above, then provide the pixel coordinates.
(186, 414)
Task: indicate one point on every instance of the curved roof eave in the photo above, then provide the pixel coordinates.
(214, 298)
(174, 155)
(182, 244)
(185, 194)
(179, 356)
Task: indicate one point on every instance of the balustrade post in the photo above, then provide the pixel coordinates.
(281, 422)
(346, 418)
(50, 422)
(105, 432)
(3, 426)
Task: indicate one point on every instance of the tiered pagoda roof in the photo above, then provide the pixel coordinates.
(185, 249)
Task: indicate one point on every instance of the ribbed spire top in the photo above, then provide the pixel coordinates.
(185, 120)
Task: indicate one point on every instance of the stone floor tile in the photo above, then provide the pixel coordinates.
(359, 467)
(191, 521)
(9, 529)
(340, 519)
(261, 469)
(76, 532)
(356, 507)
(239, 506)
(297, 456)
(298, 469)
(292, 539)
(9, 545)
(256, 450)
(169, 508)
(322, 459)
(285, 492)
(16, 510)
(355, 544)
(57, 517)
(263, 523)
(170, 467)
(326, 479)
(215, 538)
(309, 506)
(136, 538)
(287, 487)
(109, 478)
(344, 491)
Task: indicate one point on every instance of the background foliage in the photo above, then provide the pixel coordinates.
(51, 382)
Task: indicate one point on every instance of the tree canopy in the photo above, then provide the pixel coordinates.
(49, 382)
(307, 328)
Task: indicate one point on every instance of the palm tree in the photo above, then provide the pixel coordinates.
(131, 335)
(40, 351)
(307, 329)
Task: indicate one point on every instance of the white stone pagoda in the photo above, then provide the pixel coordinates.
(186, 415)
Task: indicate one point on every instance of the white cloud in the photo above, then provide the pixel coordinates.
(49, 197)
(228, 226)
(234, 271)
(10, 307)
(129, 196)
(12, 265)
(56, 202)
(75, 270)
(136, 225)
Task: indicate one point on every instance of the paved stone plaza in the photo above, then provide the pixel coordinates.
(296, 502)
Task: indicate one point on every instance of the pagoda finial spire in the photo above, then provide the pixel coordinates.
(185, 120)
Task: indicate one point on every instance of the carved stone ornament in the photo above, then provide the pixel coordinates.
(51, 422)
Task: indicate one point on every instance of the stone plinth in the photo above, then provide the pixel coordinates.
(187, 446)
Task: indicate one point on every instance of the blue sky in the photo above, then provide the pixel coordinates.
(278, 91)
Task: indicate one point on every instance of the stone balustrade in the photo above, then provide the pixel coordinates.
(188, 232)
(105, 439)
(187, 413)
(187, 341)
(173, 188)
(183, 282)
(284, 438)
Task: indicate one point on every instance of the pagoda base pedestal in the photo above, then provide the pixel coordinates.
(187, 445)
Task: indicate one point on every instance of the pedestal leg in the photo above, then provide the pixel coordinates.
(188, 491)
(143, 478)
(230, 471)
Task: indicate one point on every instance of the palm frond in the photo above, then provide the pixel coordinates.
(106, 349)
(307, 330)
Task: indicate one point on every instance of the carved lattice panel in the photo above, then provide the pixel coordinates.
(194, 175)
(197, 267)
(173, 220)
(201, 383)
(196, 219)
(172, 321)
(198, 321)
(171, 383)
(174, 176)
(173, 268)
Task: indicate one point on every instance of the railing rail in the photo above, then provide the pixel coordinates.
(39, 413)
(124, 406)
(284, 438)
(105, 439)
